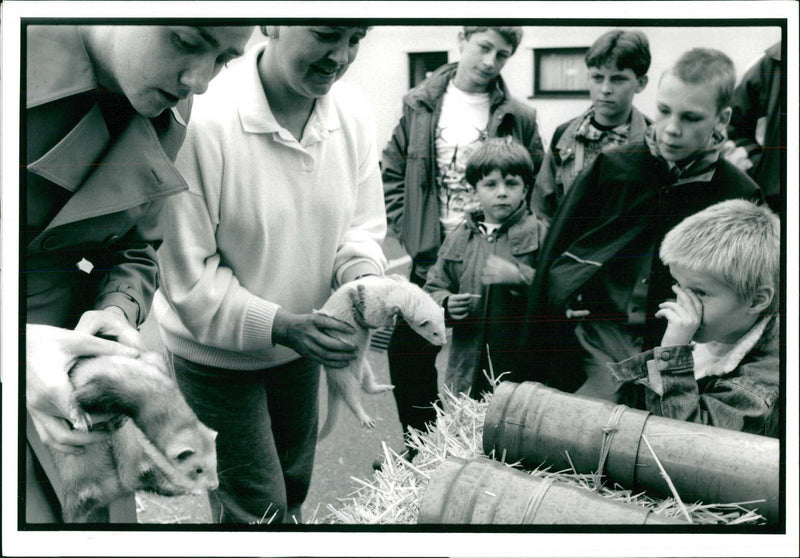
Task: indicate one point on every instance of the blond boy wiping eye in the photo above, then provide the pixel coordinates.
(718, 362)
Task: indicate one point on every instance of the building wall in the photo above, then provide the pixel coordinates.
(381, 71)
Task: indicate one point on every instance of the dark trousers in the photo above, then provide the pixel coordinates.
(412, 369)
(266, 422)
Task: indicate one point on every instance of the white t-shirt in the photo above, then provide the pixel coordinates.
(461, 128)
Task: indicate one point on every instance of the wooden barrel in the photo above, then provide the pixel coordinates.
(545, 427)
(486, 492)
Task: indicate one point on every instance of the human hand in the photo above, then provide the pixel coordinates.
(51, 352)
(683, 316)
(310, 336)
(736, 155)
(111, 322)
(499, 271)
(459, 305)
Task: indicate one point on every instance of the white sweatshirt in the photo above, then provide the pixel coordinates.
(267, 222)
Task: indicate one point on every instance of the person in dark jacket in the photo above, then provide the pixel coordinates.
(617, 63)
(756, 124)
(105, 115)
(443, 120)
(485, 266)
(718, 362)
(598, 282)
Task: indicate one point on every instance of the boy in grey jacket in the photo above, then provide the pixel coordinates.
(485, 266)
(444, 118)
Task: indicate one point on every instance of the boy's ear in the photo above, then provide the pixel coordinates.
(724, 117)
(462, 39)
(642, 81)
(761, 299)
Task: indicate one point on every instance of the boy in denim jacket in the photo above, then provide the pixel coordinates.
(718, 362)
(485, 265)
(598, 278)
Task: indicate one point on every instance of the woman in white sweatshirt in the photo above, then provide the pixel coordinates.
(285, 203)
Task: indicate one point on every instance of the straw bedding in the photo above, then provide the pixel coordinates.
(393, 495)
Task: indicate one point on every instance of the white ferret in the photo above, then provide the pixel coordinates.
(157, 443)
(367, 304)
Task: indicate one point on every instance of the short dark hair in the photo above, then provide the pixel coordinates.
(512, 35)
(504, 154)
(626, 49)
(710, 66)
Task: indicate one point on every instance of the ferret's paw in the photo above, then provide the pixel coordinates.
(377, 388)
(368, 422)
(80, 420)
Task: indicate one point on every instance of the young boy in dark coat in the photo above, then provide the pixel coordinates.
(444, 118)
(598, 281)
(485, 266)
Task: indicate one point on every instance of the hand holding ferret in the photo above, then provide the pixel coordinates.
(51, 354)
(314, 336)
(683, 316)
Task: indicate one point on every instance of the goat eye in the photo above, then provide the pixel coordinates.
(198, 471)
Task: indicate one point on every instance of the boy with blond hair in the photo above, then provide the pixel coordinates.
(598, 279)
(718, 361)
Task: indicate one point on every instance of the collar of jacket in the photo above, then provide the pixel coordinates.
(136, 169)
(57, 64)
(475, 216)
(700, 169)
(431, 90)
(567, 140)
(741, 348)
(774, 51)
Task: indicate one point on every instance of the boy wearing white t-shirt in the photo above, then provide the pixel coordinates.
(444, 119)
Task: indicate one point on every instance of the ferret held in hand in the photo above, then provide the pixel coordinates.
(367, 304)
(157, 444)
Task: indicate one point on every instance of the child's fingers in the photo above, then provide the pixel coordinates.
(697, 305)
(668, 314)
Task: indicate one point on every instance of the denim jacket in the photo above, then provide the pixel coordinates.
(743, 396)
